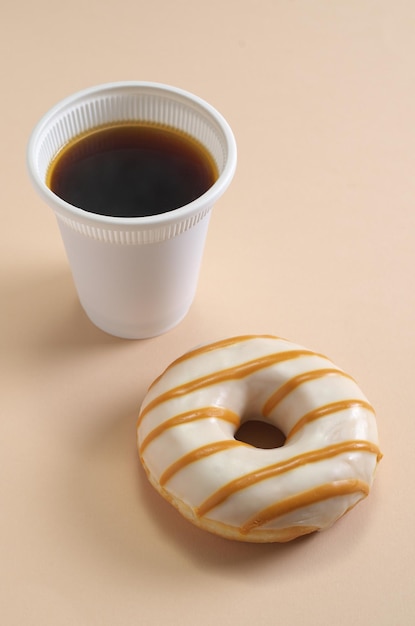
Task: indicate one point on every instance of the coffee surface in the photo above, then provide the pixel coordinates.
(131, 170)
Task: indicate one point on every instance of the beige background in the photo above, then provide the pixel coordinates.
(314, 241)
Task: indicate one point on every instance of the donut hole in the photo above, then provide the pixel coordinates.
(260, 434)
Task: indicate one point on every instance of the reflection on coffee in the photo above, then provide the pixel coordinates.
(131, 169)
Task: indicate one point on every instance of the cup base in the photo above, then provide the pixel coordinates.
(126, 332)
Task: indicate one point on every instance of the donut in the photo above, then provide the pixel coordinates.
(187, 445)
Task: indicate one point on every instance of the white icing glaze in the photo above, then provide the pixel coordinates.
(187, 446)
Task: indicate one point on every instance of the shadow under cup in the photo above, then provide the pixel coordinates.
(136, 277)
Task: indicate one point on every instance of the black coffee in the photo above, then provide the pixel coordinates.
(131, 170)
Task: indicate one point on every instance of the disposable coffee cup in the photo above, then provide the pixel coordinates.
(136, 277)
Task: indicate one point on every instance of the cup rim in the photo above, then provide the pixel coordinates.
(207, 199)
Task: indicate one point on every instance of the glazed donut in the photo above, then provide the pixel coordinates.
(186, 439)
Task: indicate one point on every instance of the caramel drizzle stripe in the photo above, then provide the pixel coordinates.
(232, 373)
(293, 532)
(191, 416)
(295, 382)
(271, 471)
(223, 343)
(304, 499)
(328, 409)
(196, 455)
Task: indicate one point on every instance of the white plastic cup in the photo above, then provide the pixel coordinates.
(135, 277)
